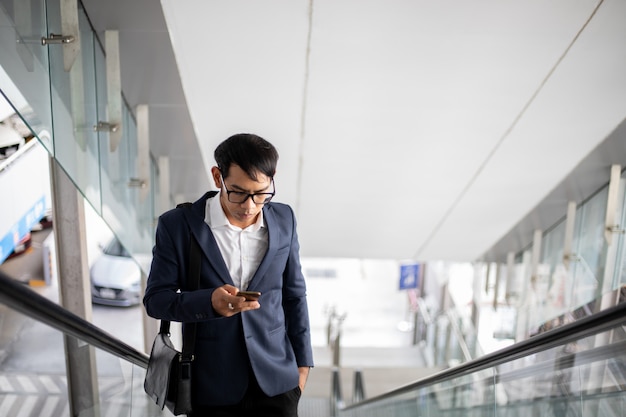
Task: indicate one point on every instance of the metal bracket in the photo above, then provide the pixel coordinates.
(616, 229)
(57, 39)
(570, 223)
(106, 127)
(137, 183)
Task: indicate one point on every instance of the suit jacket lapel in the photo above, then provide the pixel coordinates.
(202, 233)
(272, 247)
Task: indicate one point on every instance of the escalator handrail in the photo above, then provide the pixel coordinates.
(584, 327)
(19, 297)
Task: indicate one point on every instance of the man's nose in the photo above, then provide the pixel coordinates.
(248, 203)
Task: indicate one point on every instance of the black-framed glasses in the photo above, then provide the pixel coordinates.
(239, 197)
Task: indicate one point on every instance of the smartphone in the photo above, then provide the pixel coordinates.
(250, 295)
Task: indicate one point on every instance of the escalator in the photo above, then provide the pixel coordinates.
(576, 370)
(34, 382)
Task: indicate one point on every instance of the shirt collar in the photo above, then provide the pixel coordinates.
(215, 216)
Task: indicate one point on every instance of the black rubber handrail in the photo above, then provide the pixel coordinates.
(21, 298)
(584, 327)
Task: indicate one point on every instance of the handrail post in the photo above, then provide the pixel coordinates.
(333, 334)
(336, 399)
(336, 349)
(334, 342)
(358, 394)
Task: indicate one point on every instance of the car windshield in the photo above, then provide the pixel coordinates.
(115, 248)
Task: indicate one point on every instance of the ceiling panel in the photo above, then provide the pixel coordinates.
(406, 129)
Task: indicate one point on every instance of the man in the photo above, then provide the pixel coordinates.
(252, 357)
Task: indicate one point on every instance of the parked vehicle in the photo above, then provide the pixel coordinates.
(115, 277)
(10, 141)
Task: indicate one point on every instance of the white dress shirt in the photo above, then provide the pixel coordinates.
(242, 249)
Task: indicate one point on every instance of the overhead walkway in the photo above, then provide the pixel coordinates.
(578, 369)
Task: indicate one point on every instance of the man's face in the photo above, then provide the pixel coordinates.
(241, 214)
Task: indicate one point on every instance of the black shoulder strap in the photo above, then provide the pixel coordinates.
(193, 282)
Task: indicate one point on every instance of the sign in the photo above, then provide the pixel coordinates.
(21, 228)
(409, 276)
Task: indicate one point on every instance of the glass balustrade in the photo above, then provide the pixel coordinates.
(63, 106)
(583, 374)
(34, 380)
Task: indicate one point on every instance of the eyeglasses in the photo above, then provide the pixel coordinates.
(239, 197)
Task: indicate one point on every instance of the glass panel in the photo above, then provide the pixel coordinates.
(552, 246)
(74, 108)
(619, 278)
(119, 201)
(405, 405)
(589, 244)
(33, 370)
(33, 79)
(589, 373)
(24, 63)
(535, 385)
(139, 197)
(557, 278)
(120, 388)
(34, 380)
(584, 377)
(145, 198)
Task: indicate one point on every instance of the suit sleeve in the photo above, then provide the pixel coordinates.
(295, 303)
(165, 297)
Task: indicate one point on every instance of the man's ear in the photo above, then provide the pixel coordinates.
(217, 177)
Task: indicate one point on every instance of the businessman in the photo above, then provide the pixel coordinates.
(252, 356)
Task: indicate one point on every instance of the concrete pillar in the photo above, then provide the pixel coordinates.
(150, 325)
(74, 289)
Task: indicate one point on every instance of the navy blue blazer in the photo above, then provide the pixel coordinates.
(273, 340)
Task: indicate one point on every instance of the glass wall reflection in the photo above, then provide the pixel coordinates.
(63, 106)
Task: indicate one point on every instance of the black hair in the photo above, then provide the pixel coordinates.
(250, 152)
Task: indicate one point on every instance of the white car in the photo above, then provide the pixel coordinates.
(115, 277)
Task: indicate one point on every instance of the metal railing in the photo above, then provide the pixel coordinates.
(21, 298)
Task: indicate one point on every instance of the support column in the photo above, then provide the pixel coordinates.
(74, 290)
(612, 230)
(150, 325)
(480, 276)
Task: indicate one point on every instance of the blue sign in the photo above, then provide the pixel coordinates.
(409, 276)
(21, 228)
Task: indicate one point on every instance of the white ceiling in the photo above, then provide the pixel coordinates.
(406, 129)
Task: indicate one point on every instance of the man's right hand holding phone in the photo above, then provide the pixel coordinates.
(227, 300)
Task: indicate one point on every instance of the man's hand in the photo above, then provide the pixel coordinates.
(304, 374)
(226, 303)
